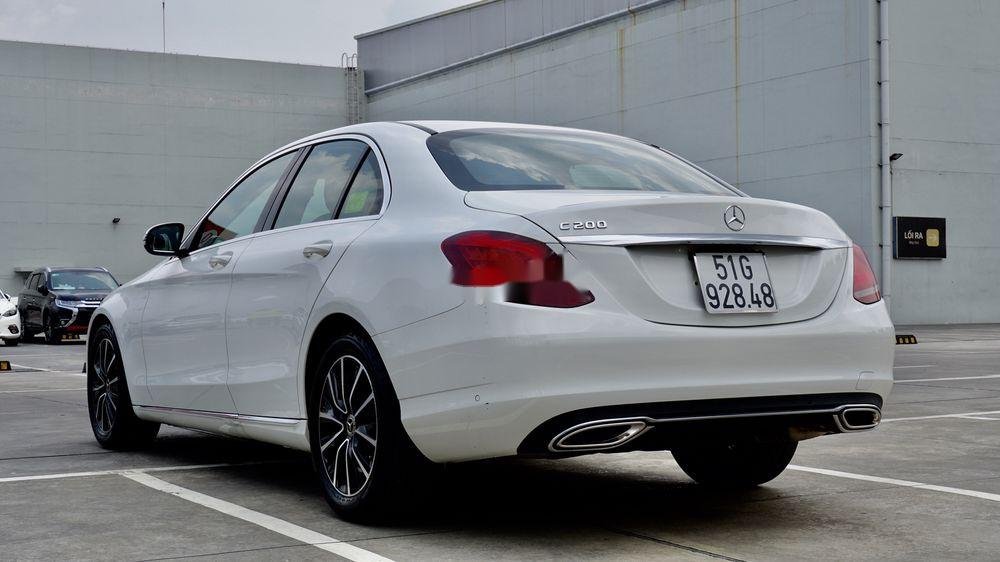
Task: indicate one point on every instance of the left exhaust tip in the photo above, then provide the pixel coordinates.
(858, 418)
(597, 436)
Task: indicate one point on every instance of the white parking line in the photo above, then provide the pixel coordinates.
(117, 472)
(268, 522)
(43, 355)
(939, 416)
(953, 351)
(981, 418)
(35, 369)
(940, 379)
(896, 482)
(34, 390)
(912, 366)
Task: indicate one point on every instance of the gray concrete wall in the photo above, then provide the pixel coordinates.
(778, 100)
(945, 78)
(90, 134)
(410, 48)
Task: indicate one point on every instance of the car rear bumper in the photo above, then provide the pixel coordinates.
(474, 382)
(659, 426)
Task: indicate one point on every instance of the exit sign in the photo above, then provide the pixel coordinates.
(918, 238)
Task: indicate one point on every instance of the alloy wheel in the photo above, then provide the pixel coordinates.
(105, 388)
(348, 426)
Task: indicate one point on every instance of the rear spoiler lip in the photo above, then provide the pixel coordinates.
(679, 239)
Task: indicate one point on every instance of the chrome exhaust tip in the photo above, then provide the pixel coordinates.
(858, 418)
(598, 435)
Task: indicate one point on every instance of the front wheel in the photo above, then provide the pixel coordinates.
(359, 447)
(12, 343)
(114, 422)
(52, 337)
(737, 464)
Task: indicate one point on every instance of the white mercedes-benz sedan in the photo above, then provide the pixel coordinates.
(391, 293)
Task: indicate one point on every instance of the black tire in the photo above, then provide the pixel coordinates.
(12, 343)
(52, 336)
(114, 422)
(357, 419)
(738, 464)
(26, 334)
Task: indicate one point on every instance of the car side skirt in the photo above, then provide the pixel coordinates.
(286, 432)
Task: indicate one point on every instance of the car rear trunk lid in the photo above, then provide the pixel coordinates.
(640, 246)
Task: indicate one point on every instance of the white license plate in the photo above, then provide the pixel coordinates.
(733, 283)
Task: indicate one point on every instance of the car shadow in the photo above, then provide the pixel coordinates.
(39, 341)
(513, 494)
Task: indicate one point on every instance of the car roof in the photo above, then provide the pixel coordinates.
(56, 269)
(444, 126)
(430, 126)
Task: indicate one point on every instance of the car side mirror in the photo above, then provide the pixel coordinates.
(164, 239)
(43, 290)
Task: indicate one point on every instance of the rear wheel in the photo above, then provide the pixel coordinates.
(358, 444)
(12, 342)
(114, 423)
(737, 464)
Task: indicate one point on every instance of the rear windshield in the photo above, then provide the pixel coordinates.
(81, 281)
(510, 159)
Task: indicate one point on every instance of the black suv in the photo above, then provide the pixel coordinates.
(59, 301)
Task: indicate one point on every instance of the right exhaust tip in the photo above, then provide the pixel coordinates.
(858, 418)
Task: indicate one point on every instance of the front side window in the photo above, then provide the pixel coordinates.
(319, 185)
(238, 213)
(510, 159)
(82, 281)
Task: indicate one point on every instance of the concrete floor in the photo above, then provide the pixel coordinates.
(926, 485)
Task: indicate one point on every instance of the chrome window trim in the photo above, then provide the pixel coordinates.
(691, 239)
(372, 145)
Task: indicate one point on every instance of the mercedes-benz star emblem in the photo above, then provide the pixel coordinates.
(734, 217)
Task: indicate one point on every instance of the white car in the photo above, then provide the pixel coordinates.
(394, 292)
(10, 320)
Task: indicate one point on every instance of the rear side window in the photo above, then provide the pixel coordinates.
(319, 185)
(365, 196)
(509, 159)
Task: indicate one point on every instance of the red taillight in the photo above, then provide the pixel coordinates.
(484, 258)
(487, 258)
(865, 284)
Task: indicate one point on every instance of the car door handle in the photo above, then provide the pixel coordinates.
(220, 260)
(319, 249)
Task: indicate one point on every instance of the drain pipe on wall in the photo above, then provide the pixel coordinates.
(886, 183)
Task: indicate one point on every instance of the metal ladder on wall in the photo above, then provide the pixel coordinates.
(350, 64)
